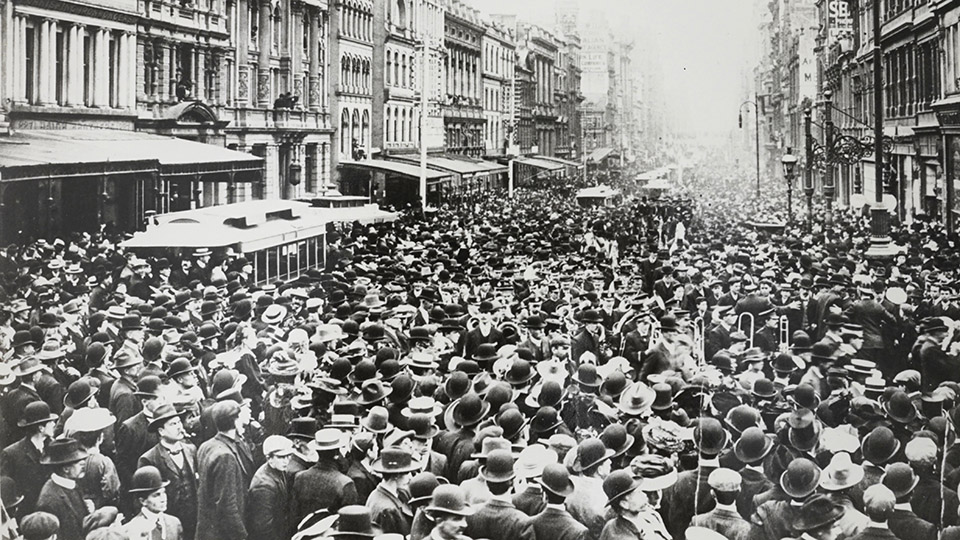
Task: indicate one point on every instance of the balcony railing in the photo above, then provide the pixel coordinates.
(279, 118)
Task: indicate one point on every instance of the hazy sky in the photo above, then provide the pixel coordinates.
(704, 47)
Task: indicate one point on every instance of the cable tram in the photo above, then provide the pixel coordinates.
(282, 239)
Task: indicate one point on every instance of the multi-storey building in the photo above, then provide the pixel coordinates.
(543, 49)
(498, 57)
(351, 99)
(567, 94)
(598, 84)
(463, 118)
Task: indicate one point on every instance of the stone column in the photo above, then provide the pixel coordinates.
(201, 65)
(52, 59)
(162, 55)
(123, 71)
(43, 66)
(263, 61)
(131, 58)
(313, 84)
(271, 187)
(101, 69)
(19, 83)
(74, 64)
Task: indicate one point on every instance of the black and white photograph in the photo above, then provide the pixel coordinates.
(479, 269)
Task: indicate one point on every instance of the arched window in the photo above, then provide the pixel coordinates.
(386, 125)
(401, 14)
(396, 68)
(403, 71)
(396, 120)
(365, 129)
(344, 132)
(389, 67)
(355, 129)
(366, 74)
(404, 126)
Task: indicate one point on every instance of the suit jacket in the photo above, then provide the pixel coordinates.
(926, 500)
(269, 505)
(140, 528)
(474, 338)
(619, 528)
(123, 404)
(225, 466)
(585, 341)
(718, 338)
(133, 439)
(322, 486)
(21, 461)
(530, 501)
(773, 519)
(557, 524)
(541, 351)
(753, 482)
(936, 366)
(67, 505)
(13, 404)
(679, 499)
(878, 533)
(724, 521)
(499, 519)
(633, 345)
(905, 524)
(182, 489)
(389, 512)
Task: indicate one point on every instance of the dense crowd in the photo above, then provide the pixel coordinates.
(520, 369)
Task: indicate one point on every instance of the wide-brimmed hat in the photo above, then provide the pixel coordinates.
(590, 453)
(752, 446)
(35, 413)
(163, 413)
(657, 471)
(274, 314)
(394, 461)
(449, 499)
(801, 478)
(619, 484)
(147, 479)
(89, 420)
(841, 473)
(373, 391)
(377, 420)
(422, 405)
(354, 520)
(637, 399)
(51, 350)
(28, 366)
(63, 451)
(816, 512)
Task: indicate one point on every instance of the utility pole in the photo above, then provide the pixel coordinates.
(880, 244)
(425, 57)
(808, 167)
(828, 187)
(756, 133)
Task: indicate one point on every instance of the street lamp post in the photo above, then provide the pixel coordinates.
(880, 244)
(808, 167)
(756, 133)
(789, 162)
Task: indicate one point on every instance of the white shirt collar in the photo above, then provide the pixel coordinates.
(712, 462)
(728, 507)
(902, 506)
(557, 506)
(65, 483)
(878, 525)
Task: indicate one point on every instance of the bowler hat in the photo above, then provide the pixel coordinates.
(591, 316)
(519, 373)
(377, 420)
(556, 480)
(180, 366)
(148, 386)
(10, 496)
(545, 420)
(899, 478)
(590, 453)
(498, 467)
(147, 479)
(587, 376)
(880, 445)
(302, 428)
(752, 446)
(372, 392)
(900, 407)
(131, 321)
(457, 385)
(79, 393)
(763, 388)
(421, 487)
(63, 451)
(449, 499)
(486, 352)
(616, 438)
(801, 478)
(709, 436)
(469, 410)
(619, 484)
(35, 413)
(422, 426)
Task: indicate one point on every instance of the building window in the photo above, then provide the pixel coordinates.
(88, 56)
(389, 67)
(60, 78)
(344, 132)
(365, 129)
(112, 68)
(30, 64)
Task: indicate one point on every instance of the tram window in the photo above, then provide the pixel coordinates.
(261, 266)
(303, 258)
(273, 264)
(311, 252)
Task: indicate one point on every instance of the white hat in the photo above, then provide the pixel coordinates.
(277, 445)
(88, 420)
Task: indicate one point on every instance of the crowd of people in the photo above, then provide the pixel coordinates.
(522, 369)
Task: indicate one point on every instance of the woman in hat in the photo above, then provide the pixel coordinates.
(152, 521)
(60, 495)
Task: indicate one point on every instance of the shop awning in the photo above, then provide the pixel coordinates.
(67, 152)
(398, 167)
(566, 162)
(599, 154)
(540, 163)
(463, 166)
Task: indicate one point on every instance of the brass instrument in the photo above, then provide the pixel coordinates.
(740, 320)
(699, 338)
(784, 333)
